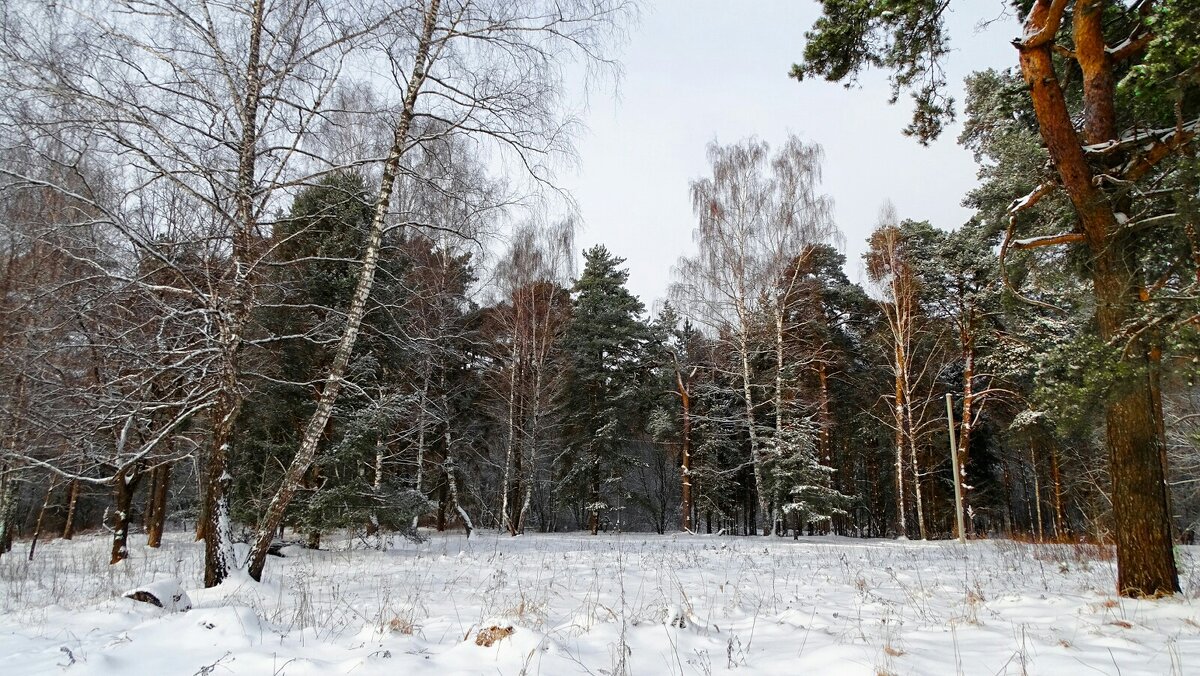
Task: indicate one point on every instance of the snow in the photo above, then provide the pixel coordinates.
(171, 597)
(672, 604)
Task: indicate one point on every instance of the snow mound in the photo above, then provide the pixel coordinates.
(166, 594)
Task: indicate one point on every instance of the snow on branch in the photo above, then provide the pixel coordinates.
(1047, 240)
(1034, 196)
(1014, 208)
(1038, 35)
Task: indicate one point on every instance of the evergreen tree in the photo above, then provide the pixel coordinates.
(1114, 95)
(317, 244)
(605, 399)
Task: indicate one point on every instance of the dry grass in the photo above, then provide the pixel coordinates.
(488, 636)
(402, 625)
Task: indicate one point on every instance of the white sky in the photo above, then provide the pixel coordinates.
(699, 70)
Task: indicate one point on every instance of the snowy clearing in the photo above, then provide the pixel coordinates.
(679, 604)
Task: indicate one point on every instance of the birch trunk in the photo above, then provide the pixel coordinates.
(376, 485)
(231, 317)
(452, 470)
(748, 394)
(898, 413)
(505, 522)
(530, 464)
(358, 307)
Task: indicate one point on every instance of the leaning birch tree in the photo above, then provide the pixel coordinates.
(489, 69)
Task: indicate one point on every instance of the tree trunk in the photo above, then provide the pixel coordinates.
(452, 474)
(685, 464)
(898, 411)
(1037, 495)
(530, 464)
(124, 485)
(422, 412)
(443, 498)
(518, 477)
(8, 507)
(376, 485)
(916, 472)
(202, 491)
(37, 529)
(1060, 520)
(776, 524)
(305, 455)
(156, 514)
(506, 482)
(594, 496)
(965, 426)
(449, 466)
(912, 448)
(68, 531)
(231, 318)
(824, 435)
(1145, 556)
(748, 394)
(218, 531)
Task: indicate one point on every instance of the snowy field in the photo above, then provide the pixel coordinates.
(639, 604)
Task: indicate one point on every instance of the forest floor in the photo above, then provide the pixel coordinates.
(637, 603)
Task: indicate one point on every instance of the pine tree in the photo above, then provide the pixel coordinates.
(605, 343)
(1114, 96)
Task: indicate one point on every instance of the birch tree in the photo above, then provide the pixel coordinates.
(457, 49)
(916, 356)
(526, 330)
(756, 213)
(209, 103)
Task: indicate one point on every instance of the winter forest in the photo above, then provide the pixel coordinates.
(297, 336)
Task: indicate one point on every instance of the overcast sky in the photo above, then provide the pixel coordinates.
(699, 70)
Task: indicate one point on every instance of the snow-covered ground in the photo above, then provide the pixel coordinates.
(645, 604)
